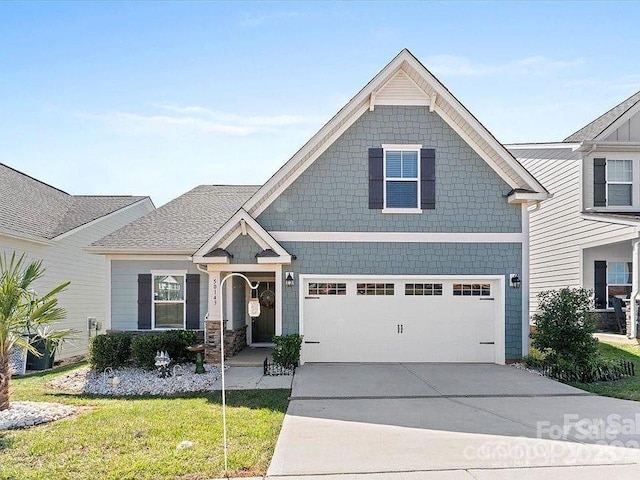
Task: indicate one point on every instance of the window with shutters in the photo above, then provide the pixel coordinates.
(619, 183)
(401, 178)
(619, 277)
(168, 300)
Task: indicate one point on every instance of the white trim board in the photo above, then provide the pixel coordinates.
(400, 237)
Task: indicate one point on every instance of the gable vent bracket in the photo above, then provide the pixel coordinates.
(243, 227)
(432, 103)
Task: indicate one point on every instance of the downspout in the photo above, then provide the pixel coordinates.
(206, 316)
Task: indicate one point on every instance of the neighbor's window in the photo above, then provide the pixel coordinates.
(428, 289)
(619, 275)
(327, 289)
(619, 182)
(471, 289)
(401, 178)
(168, 300)
(374, 288)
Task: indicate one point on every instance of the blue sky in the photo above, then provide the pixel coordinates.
(155, 98)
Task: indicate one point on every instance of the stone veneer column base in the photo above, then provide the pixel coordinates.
(234, 341)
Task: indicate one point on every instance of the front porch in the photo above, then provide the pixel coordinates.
(248, 340)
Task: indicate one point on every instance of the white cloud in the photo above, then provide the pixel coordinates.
(255, 20)
(625, 83)
(196, 119)
(453, 65)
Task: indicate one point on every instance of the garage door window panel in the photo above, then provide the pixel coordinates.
(327, 289)
(423, 289)
(375, 289)
(471, 290)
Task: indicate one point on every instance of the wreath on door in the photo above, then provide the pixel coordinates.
(267, 299)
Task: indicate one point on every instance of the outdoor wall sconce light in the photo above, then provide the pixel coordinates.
(288, 279)
(514, 280)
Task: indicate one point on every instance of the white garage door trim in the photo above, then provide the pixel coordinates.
(499, 325)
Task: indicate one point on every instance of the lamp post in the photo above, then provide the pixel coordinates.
(254, 311)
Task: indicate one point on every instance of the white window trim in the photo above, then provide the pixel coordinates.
(606, 175)
(157, 273)
(630, 285)
(402, 148)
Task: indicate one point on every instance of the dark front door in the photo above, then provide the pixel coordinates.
(264, 326)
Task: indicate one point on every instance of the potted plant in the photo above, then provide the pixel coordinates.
(45, 343)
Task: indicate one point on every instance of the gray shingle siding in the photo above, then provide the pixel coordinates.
(332, 194)
(243, 249)
(409, 259)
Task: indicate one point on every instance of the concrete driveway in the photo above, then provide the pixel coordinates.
(451, 421)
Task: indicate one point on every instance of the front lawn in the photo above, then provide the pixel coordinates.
(136, 438)
(628, 388)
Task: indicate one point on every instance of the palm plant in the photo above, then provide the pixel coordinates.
(21, 310)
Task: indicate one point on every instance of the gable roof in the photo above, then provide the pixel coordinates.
(594, 129)
(414, 76)
(241, 223)
(33, 209)
(182, 225)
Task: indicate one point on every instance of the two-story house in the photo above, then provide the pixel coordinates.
(398, 232)
(588, 234)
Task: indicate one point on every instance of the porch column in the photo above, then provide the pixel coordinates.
(632, 331)
(212, 323)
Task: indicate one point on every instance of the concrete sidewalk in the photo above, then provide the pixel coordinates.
(252, 378)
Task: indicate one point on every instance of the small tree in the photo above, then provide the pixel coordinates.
(565, 326)
(21, 309)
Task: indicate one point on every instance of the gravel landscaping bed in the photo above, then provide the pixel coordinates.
(522, 366)
(136, 381)
(28, 414)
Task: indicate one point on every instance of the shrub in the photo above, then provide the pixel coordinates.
(175, 342)
(110, 350)
(565, 327)
(287, 350)
(534, 360)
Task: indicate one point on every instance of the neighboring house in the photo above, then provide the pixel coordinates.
(399, 232)
(588, 234)
(48, 224)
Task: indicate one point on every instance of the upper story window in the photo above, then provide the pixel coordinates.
(402, 178)
(619, 183)
(169, 300)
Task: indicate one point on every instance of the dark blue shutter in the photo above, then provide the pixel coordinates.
(144, 301)
(427, 178)
(599, 182)
(193, 301)
(376, 179)
(600, 283)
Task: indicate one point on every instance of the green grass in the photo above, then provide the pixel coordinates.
(628, 388)
(136, 438)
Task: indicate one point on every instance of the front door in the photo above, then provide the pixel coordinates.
(263, 328)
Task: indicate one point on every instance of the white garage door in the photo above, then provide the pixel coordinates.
(402, 319)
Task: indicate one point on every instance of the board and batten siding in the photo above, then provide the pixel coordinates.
(124, 288)
(558, 231)
(65, 260)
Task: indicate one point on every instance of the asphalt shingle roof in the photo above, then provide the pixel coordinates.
(31, 207)
(593, 129)
(182, 225)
